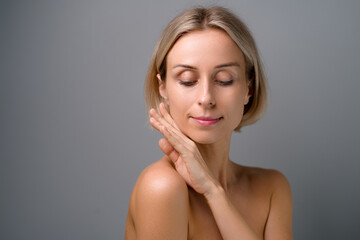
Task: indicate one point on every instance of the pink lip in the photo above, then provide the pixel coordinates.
(206, 121)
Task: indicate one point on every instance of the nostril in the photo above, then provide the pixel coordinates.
(207, 98)
(209, 103)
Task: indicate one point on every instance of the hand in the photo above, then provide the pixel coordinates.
(182, 151)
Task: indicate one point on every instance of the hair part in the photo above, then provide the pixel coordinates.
(199, 19)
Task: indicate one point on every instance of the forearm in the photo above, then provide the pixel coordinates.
(229, 221)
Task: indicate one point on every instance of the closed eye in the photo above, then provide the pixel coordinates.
(187, 83)
(225, 83)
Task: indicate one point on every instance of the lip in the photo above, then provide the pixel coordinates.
(207, 121)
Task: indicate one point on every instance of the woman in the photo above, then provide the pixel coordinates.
(205, 80)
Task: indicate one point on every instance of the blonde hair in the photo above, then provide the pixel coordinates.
(201, 18)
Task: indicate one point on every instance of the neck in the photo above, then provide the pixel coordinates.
(216, 156)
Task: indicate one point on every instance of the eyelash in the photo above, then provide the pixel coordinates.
(191, 83)
(225, 83)
(187, 83)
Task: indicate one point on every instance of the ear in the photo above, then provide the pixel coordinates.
(249, 92)
(162, 87)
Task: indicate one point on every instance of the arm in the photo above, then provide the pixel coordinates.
(160, 204)
(279, 224)
(228, 219)
(190, 165)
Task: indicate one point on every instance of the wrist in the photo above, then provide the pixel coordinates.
(214, 192)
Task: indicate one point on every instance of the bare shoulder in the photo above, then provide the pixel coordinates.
(159, 202)
(270, 179)
(162, 178)
(275, 185)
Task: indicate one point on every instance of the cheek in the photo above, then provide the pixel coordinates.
(237, 113)
(236, 108)
(178, 103)
(176, 109)
(179, 112)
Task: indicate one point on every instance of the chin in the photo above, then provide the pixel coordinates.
(204, 137)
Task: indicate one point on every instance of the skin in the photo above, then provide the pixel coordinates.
(195, 191)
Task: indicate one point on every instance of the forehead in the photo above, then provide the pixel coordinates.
(205, 48)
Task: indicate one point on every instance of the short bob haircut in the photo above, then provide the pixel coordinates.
(197, 19)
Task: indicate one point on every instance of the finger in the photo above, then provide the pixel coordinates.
(166, 115)
(163, 117)
(177, 139)
(160, 127)
(181, 136)
(157, 121)
(155, 124)
(165, 146)
(174, 140)
(168, 149)
(153, 113)
(169, 122)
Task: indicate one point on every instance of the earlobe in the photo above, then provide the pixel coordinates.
(247, 98)
(162, 89)
(249, 92)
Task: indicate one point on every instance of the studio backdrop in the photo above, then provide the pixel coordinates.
(74, 132)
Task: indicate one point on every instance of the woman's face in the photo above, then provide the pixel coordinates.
(205, 87)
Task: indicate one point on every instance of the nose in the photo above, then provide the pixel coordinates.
(207, 96)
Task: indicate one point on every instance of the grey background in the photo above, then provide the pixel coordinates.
(74, 134)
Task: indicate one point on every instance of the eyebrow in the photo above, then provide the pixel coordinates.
(184, 66)
(230, 64)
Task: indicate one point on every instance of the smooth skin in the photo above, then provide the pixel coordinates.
(195, 191)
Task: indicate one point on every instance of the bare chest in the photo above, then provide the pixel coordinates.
(253, 207)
